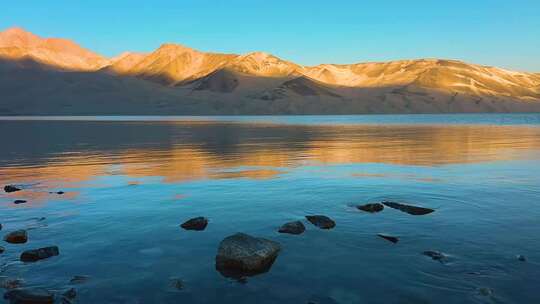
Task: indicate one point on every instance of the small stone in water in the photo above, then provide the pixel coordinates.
(60, 192)
(39, 254)
(413, 210)
(295, 227)
(376, 207)
(485, 291)
(321, 221)
(79, 279)
(177, 283)
(17, 237)
(390, 238)
(11, 188)
(2, 249)
(197, 223)
(436, 255)
(19, 202)
(521, 258)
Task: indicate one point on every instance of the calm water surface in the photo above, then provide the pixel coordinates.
(130, 182)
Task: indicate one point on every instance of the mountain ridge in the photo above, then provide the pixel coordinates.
(180, 75)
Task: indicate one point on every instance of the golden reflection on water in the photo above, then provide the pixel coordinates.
(271, 151)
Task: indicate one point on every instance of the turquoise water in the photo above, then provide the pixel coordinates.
(130, 181)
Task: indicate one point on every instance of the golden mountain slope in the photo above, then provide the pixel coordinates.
(15, 43)
(178, 79)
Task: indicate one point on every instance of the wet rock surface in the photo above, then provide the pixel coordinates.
(242, 255)
(29, 296)
(372, 208)
(389, 238)
(16, 202)
(296, 227)
(197, 223)
(11, 188)
(16, 237)
(34, 255)
(321, 221)
(413, 210)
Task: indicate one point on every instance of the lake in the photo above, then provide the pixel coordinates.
(129, 182)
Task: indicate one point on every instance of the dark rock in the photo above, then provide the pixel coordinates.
(390, 238)
(521, 258)
(2, 249)
(29, 296)
(321, 221)
(243, 255)
(295, 227)
(11, 188)
(19, 202)
(79, 279)
(60, 192)
(39, 254)
(435, 255)
(16, 237)
(408, 208)
(198, 223)
(376, 207)
(0, 226)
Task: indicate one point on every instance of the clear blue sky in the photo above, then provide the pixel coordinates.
(501, 33)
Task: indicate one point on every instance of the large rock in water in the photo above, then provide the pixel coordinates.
(242, 255)
(198, 223)
(321, 221)
(29, 296)
(11, 188)
(295, 227)
(408, 208)
(39, 254)
(16, 237)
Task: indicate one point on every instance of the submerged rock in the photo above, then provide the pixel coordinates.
(39, 254)
(16, 237)
(177, 284)
(390, 238)
(11, 188)
(19, 202)
(376, 207)
(321, 300)
(29, 296)
(321, 221)
(521, 258)
(8, 283)
(242, 255)
(2, 249)
(296, 227)
(198, 223)
(485, 291)
(79, 279)
(69, 295)
(435, 255)
(408, 208)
